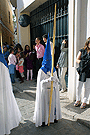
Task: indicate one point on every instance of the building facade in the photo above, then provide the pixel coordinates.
(41, 14)
(6, 22)
(72, 23)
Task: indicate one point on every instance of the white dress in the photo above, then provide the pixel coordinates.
(42, 99)
(10, 115)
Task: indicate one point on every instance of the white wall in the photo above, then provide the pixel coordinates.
(21, 5)
(26, 3)
(77, 38)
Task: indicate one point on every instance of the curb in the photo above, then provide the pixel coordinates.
(16, 89)
(83, 123)
(74, 117)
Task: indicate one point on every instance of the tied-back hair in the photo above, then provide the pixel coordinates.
(86, 44)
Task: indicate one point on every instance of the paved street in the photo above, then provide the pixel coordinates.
(25, 96)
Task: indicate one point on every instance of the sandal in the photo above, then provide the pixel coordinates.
(77, 103)
(83, 106)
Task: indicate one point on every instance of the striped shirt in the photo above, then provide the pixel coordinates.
(40, 50)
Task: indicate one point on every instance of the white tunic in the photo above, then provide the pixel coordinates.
(42, 99)
(10, 115)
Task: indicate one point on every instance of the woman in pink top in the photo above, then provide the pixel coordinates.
(40, 53)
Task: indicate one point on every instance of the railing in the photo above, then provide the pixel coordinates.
(42, 21)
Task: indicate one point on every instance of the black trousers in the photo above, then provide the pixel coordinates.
(38, 64)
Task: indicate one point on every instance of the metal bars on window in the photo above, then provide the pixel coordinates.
(42, 21)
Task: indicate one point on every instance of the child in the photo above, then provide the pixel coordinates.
(29, 65)
(20, 67)
(17, 69)
(11, 65)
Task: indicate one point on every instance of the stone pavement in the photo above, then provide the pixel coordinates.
(68, 125)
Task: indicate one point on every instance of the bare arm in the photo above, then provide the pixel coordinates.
(78, 59)
(19, 63)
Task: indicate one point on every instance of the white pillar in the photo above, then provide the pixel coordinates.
(18, 15)
(77, 37)
(71, 72)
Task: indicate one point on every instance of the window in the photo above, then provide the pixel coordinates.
(9, 16)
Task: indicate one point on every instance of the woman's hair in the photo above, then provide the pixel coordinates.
(86, 43)
(11, 50)
(15, 52)
(21, 55)
(18, 46)
(26, 47)
(66, 43)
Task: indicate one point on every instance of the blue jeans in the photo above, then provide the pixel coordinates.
(12, 76)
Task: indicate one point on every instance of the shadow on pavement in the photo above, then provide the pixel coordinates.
(24, 95)
(63, 127)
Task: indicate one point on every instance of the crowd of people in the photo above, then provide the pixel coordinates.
(25, 63)
(21, 61)
(16, 59)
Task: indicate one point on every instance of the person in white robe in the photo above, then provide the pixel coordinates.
(10, 115)
(44, 79)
